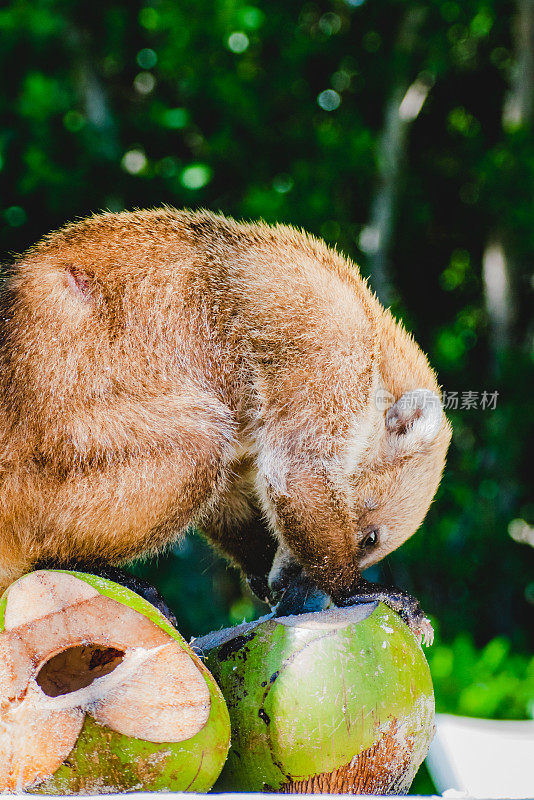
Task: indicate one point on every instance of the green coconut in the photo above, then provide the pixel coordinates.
(329, 702)
(99, 693)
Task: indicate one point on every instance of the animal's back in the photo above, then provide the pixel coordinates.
(168, 291)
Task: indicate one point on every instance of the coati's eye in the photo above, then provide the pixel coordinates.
(371, 540)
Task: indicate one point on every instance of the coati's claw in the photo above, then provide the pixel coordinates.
(418, 623)
(259, 586)
(426, 631)
(414, 617)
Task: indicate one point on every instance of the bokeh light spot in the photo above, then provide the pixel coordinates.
(15, 216)
(461, 121)
(195, 176)
(341, 80)
(450, 346)
(149, 18)
(134, 161)
(482, 23)
(372, 41)
(238, 42)
(73, 121)
(144, 82)
(330, 23)
(251, 17)
(450, 11)
(147, 58)
(329, 100)
(330, 230)
(521, 531)
(282, 183)
(167, 167)
(455, 274)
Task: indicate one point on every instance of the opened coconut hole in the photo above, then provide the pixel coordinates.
(77, 667)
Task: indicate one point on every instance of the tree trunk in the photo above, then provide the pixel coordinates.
(403, 106)
(518, 113)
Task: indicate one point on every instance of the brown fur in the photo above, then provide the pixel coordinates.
(162, 368)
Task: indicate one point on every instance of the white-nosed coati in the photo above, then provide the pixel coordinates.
(162, 368)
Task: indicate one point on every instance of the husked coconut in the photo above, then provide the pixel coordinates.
(337, 701)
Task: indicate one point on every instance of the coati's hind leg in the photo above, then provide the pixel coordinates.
(140, 476)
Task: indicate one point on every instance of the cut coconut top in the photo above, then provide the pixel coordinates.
(330, 619)
(43, 593)
(67, 650)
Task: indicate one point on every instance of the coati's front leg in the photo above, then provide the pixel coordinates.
(236, 527)
(248, 544)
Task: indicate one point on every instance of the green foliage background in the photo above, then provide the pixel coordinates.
(220, 103)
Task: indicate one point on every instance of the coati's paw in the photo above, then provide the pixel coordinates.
(414, 616)
(406, 606)
(426, 632)
(146, 590)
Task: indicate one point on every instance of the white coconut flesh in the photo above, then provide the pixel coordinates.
(67, 651)
(330, 619)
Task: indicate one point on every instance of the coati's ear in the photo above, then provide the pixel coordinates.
(79, 282)
(414, 420)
